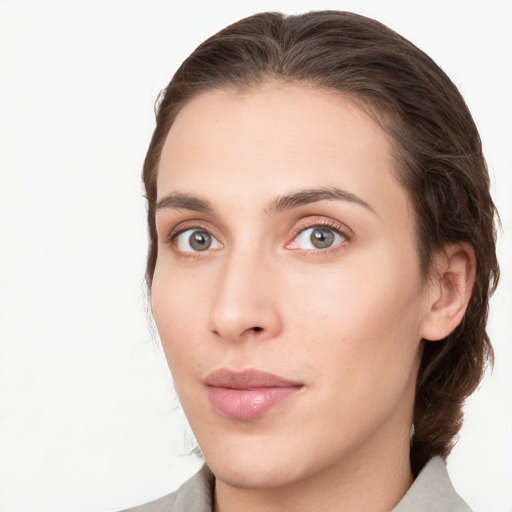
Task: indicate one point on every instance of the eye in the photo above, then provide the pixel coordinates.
(195, 240)
(318, 237)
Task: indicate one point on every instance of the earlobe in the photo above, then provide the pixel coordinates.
(450, 290)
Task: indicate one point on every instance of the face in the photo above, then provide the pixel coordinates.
(287, 290)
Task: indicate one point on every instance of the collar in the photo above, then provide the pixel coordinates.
(432, 490)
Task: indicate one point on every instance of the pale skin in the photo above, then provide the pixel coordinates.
(345, 320)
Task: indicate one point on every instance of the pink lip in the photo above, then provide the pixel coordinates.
(248, 394)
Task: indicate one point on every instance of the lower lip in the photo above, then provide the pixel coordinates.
(246, 404)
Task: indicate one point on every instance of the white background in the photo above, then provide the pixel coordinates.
(88, 421)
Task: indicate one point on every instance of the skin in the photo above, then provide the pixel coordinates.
(346, 321)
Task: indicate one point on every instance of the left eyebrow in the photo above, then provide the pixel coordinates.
(312, 195)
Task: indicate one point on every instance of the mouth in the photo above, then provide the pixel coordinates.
(248, 394)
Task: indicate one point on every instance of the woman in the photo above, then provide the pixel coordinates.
(322, 251)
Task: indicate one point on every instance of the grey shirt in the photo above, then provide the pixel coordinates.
(431, 491)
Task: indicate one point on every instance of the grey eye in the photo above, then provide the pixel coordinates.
(200, 240)
(319, 238)
(196, 240)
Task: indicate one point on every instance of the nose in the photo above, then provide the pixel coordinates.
(246, 303)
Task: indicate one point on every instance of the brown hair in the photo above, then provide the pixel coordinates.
(438, 155)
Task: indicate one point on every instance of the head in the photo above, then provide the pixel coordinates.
(432, 149)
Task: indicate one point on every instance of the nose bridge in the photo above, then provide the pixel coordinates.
(245, 302)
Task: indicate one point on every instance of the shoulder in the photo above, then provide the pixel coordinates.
(432, 490)
(195, 495)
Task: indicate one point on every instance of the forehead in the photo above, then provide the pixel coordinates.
(268, 140)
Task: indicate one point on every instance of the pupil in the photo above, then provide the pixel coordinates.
(200, 240)
(322, 238)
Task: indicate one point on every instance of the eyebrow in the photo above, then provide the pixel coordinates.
(313, 195)
(183, 201)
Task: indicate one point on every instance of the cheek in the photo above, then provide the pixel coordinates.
(178, 317)
(368, 309)
(362, 338)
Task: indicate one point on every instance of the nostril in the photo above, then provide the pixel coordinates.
(257, 329)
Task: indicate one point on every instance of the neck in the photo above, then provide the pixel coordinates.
(373, 480)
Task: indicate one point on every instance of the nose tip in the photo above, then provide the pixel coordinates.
(247, 322)
(244, 306)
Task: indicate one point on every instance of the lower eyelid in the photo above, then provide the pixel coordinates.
(174, 241)
(217, 244)
(329, 225)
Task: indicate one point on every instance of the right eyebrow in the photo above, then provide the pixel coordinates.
(181, 201)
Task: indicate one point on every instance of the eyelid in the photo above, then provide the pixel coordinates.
(181, 227)
(320, 222)
(192, 225)
(181, 245)
(301, 226)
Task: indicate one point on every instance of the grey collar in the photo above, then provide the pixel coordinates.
(432, 490)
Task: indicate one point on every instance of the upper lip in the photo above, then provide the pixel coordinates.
(246, 379)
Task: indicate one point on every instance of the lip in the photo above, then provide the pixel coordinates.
(247, 394)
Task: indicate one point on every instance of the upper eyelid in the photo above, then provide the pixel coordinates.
(325, 222)
(308, 222)
(192, 224)
(320, 221)
(176, 232)
(192, 229)
(322, 226)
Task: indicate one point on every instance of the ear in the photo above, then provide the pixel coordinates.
(450, 290)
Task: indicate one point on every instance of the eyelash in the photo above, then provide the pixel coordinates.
(300, 228)
(324, 223)
(171, 239)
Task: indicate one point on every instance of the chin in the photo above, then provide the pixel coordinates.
(245, 474)
(251, 467)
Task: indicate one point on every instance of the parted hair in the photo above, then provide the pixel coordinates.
(437, 154)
